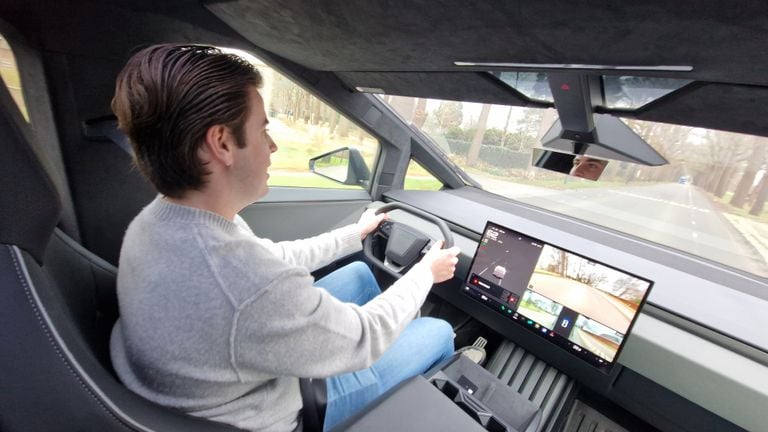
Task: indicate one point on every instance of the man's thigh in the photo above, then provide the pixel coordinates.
(353, 283)
(424, 343)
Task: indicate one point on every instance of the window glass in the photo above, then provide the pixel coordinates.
(418, 178)
(533, 85)
(9, 73)
(708, 201)
(303, 127)
(633, 92)
(619, 92)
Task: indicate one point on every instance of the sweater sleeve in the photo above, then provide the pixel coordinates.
(316, 252)
(295, 329)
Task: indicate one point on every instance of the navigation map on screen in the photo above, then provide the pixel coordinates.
(579, 304)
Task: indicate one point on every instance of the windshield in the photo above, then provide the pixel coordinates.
(708, 201)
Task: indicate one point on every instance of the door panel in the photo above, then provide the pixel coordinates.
(294, 213)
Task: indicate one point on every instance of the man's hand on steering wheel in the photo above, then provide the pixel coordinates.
(442, 262)
(369, 221)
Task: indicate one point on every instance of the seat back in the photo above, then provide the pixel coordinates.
(57, 310)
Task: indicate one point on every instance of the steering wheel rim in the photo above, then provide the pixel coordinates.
(368, 241)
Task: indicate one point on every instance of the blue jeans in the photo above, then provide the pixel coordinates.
(424, 343)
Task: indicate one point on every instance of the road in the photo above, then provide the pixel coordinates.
(583, 299)
(541, 317)
(676, 215)
(600, 346)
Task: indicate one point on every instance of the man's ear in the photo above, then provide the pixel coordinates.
(218, 145)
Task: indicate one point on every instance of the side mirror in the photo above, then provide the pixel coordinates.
(345, 165)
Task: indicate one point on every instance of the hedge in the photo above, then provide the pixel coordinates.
(501, 157)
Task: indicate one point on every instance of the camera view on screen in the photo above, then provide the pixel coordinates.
(574, 302)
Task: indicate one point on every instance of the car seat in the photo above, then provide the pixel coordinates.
(58, 305)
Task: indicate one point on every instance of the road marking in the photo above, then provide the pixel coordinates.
(661, 200)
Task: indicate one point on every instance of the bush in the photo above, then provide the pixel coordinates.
(497, 156)
(503, 157)
(457, 146)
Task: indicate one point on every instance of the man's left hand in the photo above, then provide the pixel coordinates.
(369, 221)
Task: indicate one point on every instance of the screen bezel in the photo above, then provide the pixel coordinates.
(608, 367)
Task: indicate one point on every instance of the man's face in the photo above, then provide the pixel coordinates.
(587, 167)
(253, 160)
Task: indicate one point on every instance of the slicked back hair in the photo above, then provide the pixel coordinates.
(168, 96)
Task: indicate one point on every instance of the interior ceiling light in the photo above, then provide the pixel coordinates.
(681, 68)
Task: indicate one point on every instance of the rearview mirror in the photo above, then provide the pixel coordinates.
(345, 165)
(582, 166)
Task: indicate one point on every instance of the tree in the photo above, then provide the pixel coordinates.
(754, 162)
(762, 194)
(506, 127)
(420, 113)
(477, 140)
(448, 115)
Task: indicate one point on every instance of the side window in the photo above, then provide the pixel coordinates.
(9, 73)
(304, 127)
(418, 178)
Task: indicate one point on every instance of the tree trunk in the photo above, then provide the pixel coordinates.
(343, 128)
(477, 141)
(316, 111)
(724, 181)
(762, 194)
(506, 126)
(420, 113)
(713, 174)
(334, 121)
(748, 178)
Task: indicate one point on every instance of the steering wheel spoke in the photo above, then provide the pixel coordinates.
(405, 244)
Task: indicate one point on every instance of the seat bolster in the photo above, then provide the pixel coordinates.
(50, 379)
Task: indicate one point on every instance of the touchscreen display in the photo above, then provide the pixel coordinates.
(581, 305)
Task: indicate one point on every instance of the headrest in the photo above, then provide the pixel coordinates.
(29, 204)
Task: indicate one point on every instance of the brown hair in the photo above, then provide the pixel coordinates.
(167, 97)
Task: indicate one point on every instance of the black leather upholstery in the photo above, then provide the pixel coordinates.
(57, 307)
(29, 205)
(314, 394)
(57, 310)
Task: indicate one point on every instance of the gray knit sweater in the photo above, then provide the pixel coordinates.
(219, 323)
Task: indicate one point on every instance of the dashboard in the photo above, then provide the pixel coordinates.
(694, 336)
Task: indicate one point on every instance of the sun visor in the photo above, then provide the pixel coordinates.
(610, 139)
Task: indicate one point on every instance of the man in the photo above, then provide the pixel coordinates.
(587, 167)
(218, 322)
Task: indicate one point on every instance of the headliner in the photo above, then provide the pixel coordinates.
(408, 47)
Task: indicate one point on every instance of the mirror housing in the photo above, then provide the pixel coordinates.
(344, 165)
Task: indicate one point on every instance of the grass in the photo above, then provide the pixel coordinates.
(310, 181)
(315, 181)
(724, 206)
(298, 142)
(422, 183)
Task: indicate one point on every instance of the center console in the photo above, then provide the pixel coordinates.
(457, 395)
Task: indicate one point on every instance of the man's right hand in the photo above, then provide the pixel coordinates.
(442, 262)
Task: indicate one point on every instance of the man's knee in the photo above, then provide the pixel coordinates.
(360, 269)
(364, 278)
(439, 331)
